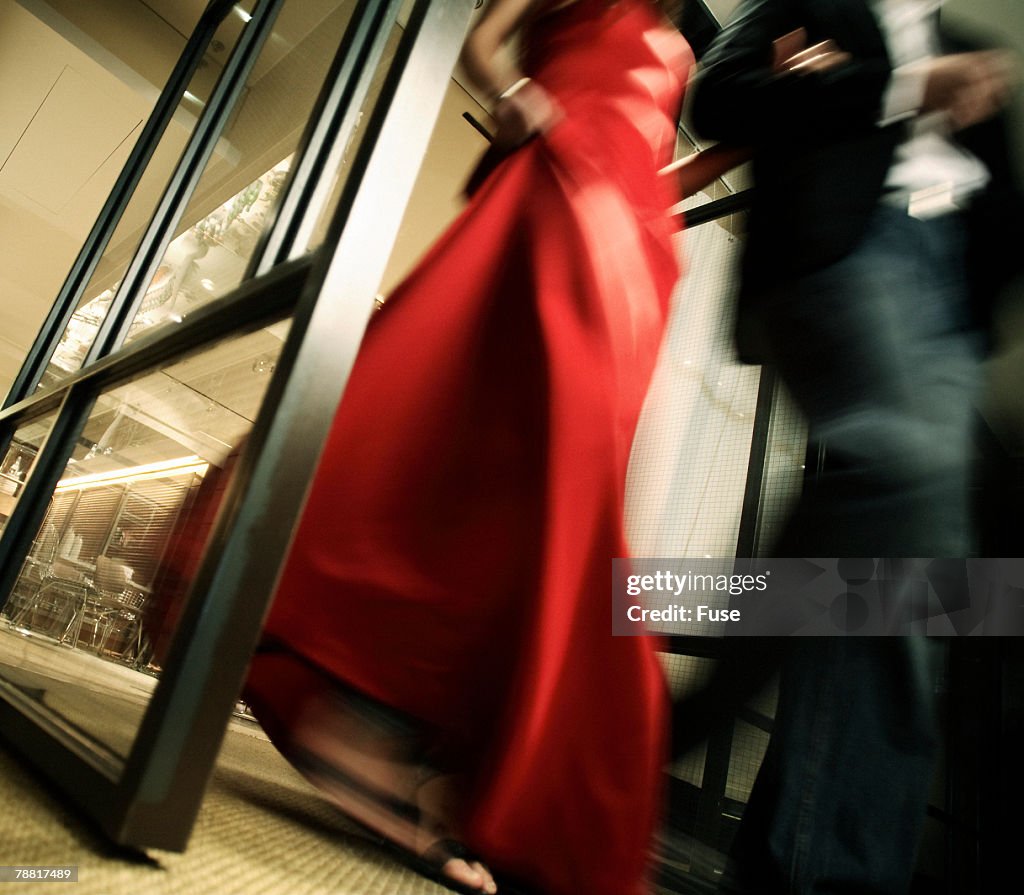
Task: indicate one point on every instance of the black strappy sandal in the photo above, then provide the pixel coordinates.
(430, 862)
(359, 798)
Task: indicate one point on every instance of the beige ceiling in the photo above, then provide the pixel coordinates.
(77, 81)
(289, 31)
(52, 179)
(181, 15)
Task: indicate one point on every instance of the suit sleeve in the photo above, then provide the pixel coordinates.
(738, 97)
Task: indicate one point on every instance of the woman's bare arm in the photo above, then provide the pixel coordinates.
(520, 107)
(481, 55)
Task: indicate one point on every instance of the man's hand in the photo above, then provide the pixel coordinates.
(791, 55)
(969, 87)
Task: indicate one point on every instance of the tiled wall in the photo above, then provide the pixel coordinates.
(690, 459)
(783, 468)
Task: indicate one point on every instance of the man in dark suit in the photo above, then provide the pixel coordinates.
(882, 200)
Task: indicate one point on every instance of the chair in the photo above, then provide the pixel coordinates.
(56, 590)
(116, 604)
(38, 567)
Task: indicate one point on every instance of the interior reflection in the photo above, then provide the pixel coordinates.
(105, 580)
(237, 191)
(86, 630)
(90, 577)
(18, 461)
(203, 262)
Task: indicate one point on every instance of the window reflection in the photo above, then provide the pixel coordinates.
(238, 188)
(90, 577)
(242, 182)
(18, 461)
(108, 572)
(204, 262)
(82, 328)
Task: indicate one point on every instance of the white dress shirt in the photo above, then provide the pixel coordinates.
(935, 173)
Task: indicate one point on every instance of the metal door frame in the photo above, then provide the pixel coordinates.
(151, 798)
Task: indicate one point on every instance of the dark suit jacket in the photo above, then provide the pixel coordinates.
(820, 158)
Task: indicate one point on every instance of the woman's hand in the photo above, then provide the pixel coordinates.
(522, 111)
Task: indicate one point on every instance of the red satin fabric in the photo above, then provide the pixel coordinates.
(454, 558)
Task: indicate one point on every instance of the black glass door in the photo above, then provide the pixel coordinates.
(157, 445)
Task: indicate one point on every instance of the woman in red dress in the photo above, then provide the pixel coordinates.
(439, 656)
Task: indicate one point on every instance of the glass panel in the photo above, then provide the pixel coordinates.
(81, 330)
(700, 405)
(80, 80)
(18, 461)
(455, 148)
(332, 193)
(239, 188)
(98, 599)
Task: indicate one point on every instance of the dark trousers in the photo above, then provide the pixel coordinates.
(878, 353)
(839, 803)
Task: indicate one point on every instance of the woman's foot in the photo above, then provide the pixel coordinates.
(437, 799)
(366, 762)
(367, 775)
(451, 863)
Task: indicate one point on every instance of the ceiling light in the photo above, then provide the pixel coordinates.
(178, 466)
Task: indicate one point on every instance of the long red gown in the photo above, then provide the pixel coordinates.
(454, 558)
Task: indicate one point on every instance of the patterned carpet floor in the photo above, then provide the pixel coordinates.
(261, 829)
